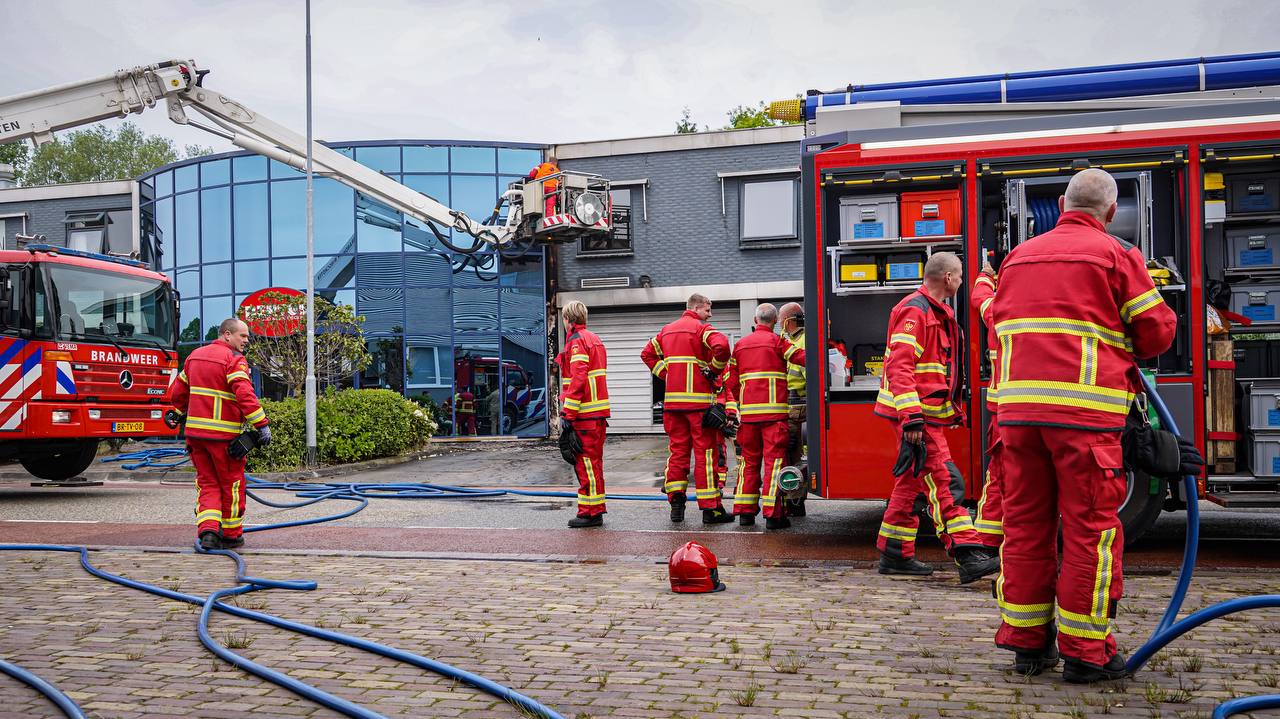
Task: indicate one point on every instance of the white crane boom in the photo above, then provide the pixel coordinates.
(581, 200)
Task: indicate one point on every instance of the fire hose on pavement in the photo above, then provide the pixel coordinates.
(1170, 627)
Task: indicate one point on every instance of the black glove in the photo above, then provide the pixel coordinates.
(1189, 458)
(730, 429)
(243, 444)
(911, 455)
(173, 418)
(264, 435)
(716, 417)
(570, 442)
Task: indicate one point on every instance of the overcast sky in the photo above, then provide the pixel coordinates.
(565, 71)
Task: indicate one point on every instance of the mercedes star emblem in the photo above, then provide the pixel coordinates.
(126, 379)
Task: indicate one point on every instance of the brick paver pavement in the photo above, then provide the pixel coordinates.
(590, 640)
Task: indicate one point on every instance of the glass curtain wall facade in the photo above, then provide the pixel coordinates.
(438, 324)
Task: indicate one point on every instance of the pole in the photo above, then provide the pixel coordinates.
(312, 453)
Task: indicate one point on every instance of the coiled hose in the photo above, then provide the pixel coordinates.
(1169, 627)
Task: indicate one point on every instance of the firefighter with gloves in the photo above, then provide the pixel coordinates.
(988, 521)
(758, 377)
(689, 355)
(584, 412)
(791, 318)
(920, 394)
(214, 397)
(1075, 307)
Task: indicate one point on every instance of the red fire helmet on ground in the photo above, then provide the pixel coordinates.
(692, 569)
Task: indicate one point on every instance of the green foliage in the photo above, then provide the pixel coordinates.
(744, 116)
(16, 154)
(340, 347)
(686, 125)
(100, 153)
(352, 425)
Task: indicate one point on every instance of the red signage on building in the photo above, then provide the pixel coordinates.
(263, 319)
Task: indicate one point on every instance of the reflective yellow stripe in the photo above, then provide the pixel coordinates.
(569, 403)
(986, 526)
(182, 375)
(906, 339)
(1143, 302)
(754, 409)
(789, 351)
(731, 406)
(1083, 625)
(992, 355)
(718, 364)
(215, 514)
(579, 358)
(939, 411)
(1088, 360)
(594, 406)
(984, 280)
(689, 396)
(1062, 326)
(235, 499)
(237, 375)
(596, 373)
(1025, 615)
(982, 308)
(1065, 394)
(1006, 354)
(206, 392)
(659, 367)
(890, 531)
(931, 368)
(762, 375)
(770, 497)
(901, 403)
(208, 423)
(232, 523)
(959, 524)
(255, 416)
(1102, 576)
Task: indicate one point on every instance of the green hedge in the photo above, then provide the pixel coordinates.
(352, 425)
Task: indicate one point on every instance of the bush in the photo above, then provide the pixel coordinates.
(352, 425)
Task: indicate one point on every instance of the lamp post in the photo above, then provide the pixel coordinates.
(310, 389)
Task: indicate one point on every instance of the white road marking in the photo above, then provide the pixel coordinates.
(53, 521)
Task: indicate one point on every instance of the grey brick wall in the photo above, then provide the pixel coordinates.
(48, 217)
(686, 239)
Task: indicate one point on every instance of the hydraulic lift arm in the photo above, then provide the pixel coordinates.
(179, 84)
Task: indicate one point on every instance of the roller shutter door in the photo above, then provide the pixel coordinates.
(630, 383)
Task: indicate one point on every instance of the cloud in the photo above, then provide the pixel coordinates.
(568, 70)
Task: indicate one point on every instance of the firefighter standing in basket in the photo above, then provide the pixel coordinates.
(214, 397)
(758, 377)
(920, 393)
(689, 356)
(1075, 307)
(584, 410)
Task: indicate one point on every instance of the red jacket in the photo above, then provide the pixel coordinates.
(921, 363)
(1075, 307)
(213, 390)
(677, 356)
(758, 374)
(583, 391)
(981, 300)
(464, 402)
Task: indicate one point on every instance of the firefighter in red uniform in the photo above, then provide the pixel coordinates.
(1075, 306)
(920, 394)
(689, 355)
(988, 522)
(464, 405)
(214, 396)
(584, 403)
(758, 377)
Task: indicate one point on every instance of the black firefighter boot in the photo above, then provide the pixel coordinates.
(210, 540)
(232, 542)
(581, 521)
(1029, 662)
(677, 509)
(976, 563)
(1080, 672)
(716, 515)
(778, 522)
(912, 566)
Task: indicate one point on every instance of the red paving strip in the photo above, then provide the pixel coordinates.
(562, 544)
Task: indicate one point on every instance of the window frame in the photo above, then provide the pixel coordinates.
(784, 240)
(613, 248)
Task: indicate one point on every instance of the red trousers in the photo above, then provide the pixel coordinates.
(722, 461)
(897, 538)
(1078, 477)
(467, 424)
(590, 466)
(686, 434)
(762, 443)
(989, 521)
(220, 487)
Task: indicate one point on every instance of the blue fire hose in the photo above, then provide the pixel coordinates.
(52, 693)
(1169, 627)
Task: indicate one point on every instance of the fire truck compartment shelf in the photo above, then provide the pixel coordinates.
(868, 218)
(897, 243)
(1253, 193)
(1258, 302)
(1253, 248)
(1264, 404)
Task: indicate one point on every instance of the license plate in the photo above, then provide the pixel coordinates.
(126, 427)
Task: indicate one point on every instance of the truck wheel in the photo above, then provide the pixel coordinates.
(63, 465)
(1142, 505)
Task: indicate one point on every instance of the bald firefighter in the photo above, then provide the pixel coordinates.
(689, 356)
(584, 406)
(920, 394)
(214, 397)
(758, 377)
(1074, 308)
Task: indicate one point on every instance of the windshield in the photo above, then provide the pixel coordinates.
(125, 308)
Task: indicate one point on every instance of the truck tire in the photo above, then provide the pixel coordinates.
(60, 466)
(1142, 505)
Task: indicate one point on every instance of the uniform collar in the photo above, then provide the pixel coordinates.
(765, 328)
(932, 302)
(694, 315)
(1075, 217)
(575, 327)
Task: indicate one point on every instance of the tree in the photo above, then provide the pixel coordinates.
(17, 155)
(686, 125)
(744, 116)
(100, 153)
(340, 348)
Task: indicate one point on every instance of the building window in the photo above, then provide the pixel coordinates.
(768, 210)
(618, 241)
(86, 231)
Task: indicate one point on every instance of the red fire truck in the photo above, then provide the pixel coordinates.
(1199, 193)
(86, 353)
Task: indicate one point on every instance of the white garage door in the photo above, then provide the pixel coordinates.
(630, 383)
